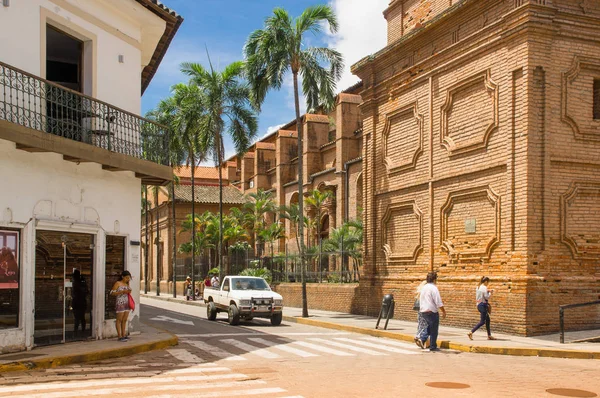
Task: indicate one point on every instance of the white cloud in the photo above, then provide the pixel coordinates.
(271, 130)
(362, 31)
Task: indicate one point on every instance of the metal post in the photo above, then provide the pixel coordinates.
(64, 289)
(561, 315)
(342, 259)
(146, 246)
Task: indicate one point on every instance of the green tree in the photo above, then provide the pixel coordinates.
(316, 203)
(279, 48)
(226, 101)
(255, 211)
(347, 240)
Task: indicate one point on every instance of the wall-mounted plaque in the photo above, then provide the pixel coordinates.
(470, 226)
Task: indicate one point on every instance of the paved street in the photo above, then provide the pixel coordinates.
(215, 359)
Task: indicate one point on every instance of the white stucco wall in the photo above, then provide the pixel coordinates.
(47, 192)
(117, 83)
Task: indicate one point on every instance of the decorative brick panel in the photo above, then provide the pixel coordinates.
(481, 208)
(579, 98)
(402, 138)
(580, 220)
(462, 129)
(402, 227)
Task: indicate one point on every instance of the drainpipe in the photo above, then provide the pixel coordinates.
(347, 197)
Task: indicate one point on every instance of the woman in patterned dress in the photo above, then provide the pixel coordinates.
(121, 291)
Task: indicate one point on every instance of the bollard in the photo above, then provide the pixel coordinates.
(387, 310)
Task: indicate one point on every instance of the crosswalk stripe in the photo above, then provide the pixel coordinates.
(79, 369)
(261, 352)
(210, 335)
(283, 347)
(184, 355)
(125, 390)
(379, 346)
(197, 369)
(392, 343)
(215, 351)
(348, 347)
(230, 393)
(104, 382)
(320, 348)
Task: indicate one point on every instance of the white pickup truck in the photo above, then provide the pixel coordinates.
(244, 297)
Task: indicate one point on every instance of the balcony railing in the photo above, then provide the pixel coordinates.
(38, 104)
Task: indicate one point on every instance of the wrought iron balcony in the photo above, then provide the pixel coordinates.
(34, 103)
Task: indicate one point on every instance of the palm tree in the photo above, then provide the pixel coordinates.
(226, 98)
(255, 211)
(187, 111)
(280, 47)
(347, 240)
(166, 113)
(316, 201)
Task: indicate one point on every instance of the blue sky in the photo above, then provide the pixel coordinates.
(223, 27)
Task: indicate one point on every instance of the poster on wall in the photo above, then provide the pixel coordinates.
(9, 257)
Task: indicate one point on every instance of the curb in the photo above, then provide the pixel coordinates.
(196, 303)
(62, 360)
(512, 351)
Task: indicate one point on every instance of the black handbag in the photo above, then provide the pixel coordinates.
(417, 305)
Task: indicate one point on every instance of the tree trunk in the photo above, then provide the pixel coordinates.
(158, 251)
(193, 162)
(174, 238)
(220, 255)
(147, 246)
(300, 197)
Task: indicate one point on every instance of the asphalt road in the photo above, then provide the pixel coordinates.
(215, 359)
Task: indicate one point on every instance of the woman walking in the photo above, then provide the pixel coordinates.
(422, 329)
(121, 291)
(482, 296)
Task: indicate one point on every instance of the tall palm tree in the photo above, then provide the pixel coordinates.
(226, 99)
(280, 47)
(187, 109)
(166, 113)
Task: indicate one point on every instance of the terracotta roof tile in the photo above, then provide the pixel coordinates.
(209, 194)
(209, 173)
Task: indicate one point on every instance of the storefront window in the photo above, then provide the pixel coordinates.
(9, 278)
(115, 264)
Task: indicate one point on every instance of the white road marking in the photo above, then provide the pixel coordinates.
(104, 382)
(197, 369)
(394, 343)
(379, 346)
(230, 393)
(163, 318)
(348, 347)
(284, 347)
(261, 352)
(125, 390)
(185, 355)
(210, 335)
(320, 348)
(216, 351)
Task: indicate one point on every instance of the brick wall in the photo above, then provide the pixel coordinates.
(321, 296)
(482, 159)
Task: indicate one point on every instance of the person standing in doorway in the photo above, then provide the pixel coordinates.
(79, 302)
(482, 296)
(430, 305)
(121, 291)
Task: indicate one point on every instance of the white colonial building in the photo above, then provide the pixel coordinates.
(73, 155)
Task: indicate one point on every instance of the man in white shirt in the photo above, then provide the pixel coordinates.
(215, 282)
(430, 304)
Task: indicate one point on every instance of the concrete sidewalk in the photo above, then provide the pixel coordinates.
(449, 337)
(147, 339)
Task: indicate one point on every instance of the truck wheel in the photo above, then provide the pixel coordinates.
(233, 315)
(211, 311)
(276, 319)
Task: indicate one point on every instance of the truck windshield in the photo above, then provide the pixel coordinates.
(249, 284)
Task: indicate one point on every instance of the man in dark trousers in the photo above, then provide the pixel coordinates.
(430, 305)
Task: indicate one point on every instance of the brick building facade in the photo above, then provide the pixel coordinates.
(332, 161)
(481, 152)
(160, 252)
